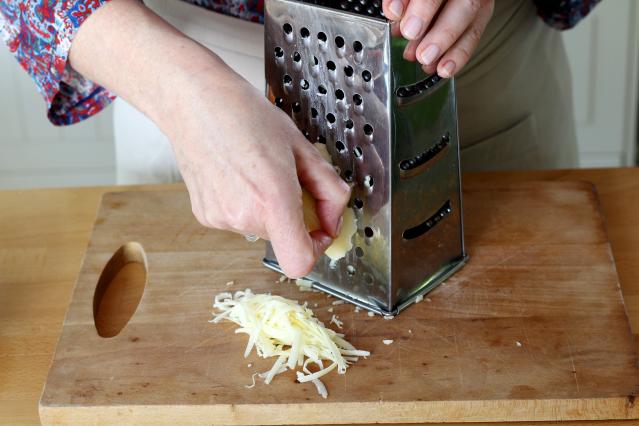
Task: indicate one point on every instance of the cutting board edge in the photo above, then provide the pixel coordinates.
(615, 408)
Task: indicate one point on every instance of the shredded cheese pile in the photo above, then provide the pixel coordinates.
(281, 327)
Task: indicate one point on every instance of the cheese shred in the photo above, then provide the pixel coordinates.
(282, 328)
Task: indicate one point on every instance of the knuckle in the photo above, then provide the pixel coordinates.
(473, 5)
(449, 36)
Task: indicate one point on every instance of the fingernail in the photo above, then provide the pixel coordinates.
(325, 241)
(412, 27)
(338, 229)
(397, 7)
(345, 186)
(430, 54)
(447, 69)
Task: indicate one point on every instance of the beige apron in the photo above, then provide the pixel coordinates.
(514, 97)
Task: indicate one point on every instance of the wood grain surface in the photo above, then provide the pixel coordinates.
(532, 328)
(43, 236)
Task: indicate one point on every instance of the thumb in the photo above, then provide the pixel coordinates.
(295, 248)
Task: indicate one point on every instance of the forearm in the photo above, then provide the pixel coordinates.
(131, 51)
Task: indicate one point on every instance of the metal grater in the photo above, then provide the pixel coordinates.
(391, 131)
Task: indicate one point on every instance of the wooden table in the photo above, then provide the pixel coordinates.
(43, 235)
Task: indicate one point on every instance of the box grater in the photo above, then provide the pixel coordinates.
(391, 130)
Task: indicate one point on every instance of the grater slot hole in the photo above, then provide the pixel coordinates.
(428, 224)
(416, 165)
(418, 88)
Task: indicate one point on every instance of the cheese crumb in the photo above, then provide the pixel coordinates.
(428, 299)
(387, 341)
(230, 283)
(335, 320)
(410, 331)
(249, 365)
(330, 309)
(518, 343)
(419, 298)
(303, 284)
(337, 302)
(370, 314)
(389, 317)
(357, 309)
(283, 278)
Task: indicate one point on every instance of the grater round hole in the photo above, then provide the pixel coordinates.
(288, 80)
(366, 75)
(331, 65)
(350, 270)
(359, 252)
(368, 232)
(357, 8)
(348, 175)
(304, 32)
(339, 42)
(321, 139)
(339, 94)
(306, 134)
(368, 279)
(321, 36)
(339, 145)
(288, 29)
(348, 123)
(369, 182)
(368, 129)
(357, 152)
(304, 84)
(279, 102)
(358, 203)
(330, 117)
(297, 107)
(357, 99)
(321, 89)
(348, 70)
(315, 60)
(279, 52)
(297, 57)
(314, 113)
(357, 46)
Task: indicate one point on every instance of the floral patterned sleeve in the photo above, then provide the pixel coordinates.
(564, 14)
(39, 33)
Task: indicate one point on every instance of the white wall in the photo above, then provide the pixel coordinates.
(603, 54)
(33, 152)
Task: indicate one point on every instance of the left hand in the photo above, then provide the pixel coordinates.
(442, 34)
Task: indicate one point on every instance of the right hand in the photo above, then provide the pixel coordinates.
(244, 162)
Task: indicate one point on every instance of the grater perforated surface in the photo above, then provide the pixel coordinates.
(338, 75)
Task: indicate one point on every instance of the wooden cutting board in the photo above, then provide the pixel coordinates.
(532, 328)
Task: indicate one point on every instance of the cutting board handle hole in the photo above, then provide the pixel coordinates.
(119, 289)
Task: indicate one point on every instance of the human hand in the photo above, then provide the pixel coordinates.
(243, 161)
(442, 34)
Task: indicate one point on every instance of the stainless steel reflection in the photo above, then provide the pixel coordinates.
(390, 129)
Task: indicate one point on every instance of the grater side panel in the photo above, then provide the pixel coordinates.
(427, 239)
(315, 80)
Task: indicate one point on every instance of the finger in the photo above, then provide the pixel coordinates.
(410, 49)
(453, 21)
(295, 249)
(418, 17)
(394, 9)
(459, 55)
(319, 178)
